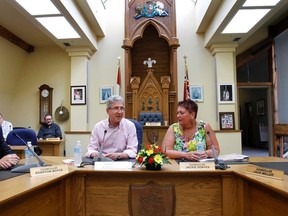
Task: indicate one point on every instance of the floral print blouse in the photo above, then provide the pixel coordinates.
(198, 138)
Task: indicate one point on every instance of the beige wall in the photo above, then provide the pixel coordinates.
(50, 65)
(24, 73)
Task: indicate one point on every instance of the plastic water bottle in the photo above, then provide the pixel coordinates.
(29, 158)
(200, 146)
(78, 153)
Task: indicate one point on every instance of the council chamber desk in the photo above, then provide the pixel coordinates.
(49, 148)
(84, 191)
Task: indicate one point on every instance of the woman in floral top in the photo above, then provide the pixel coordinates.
(187, 139)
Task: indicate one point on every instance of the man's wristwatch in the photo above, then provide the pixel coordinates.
(118, 156)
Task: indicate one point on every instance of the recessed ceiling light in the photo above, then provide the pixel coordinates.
(38, 7)
(260, 3)
(59, 27)
(244, 20)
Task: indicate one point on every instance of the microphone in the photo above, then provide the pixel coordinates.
(26, 168)
(101, 158)
(219, 164)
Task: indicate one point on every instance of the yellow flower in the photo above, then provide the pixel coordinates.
(149, 152)
(158, 159)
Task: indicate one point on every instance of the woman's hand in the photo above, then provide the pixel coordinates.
(196, 155)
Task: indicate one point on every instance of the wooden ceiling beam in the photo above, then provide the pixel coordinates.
(15, 39)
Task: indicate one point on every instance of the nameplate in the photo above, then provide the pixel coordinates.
(265, 172)
(196, 166)
(153, 124)
(112, 165)
(49, 170)
(53, 139)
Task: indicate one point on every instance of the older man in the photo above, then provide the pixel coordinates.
(115, 135)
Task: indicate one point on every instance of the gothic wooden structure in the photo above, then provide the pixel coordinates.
(150, 34)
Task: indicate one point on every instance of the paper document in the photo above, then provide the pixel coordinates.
(229, 158)
(234, 157)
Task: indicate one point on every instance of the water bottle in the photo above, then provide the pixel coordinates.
(29, 158)
(200, 146)
(78, 153)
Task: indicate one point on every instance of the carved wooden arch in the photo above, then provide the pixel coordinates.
(135, 30)
(161, 29)
(150, 94)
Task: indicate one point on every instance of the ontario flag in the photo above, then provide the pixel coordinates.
(186, 93)
(118, 81)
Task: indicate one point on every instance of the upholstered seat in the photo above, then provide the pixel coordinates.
(150, 117)
(139, 131)
(18, 137)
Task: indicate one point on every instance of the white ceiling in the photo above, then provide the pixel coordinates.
(25, 27)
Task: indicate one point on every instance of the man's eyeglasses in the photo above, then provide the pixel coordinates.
(117, 109)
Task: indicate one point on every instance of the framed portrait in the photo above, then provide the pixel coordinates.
(196, 93)
(78, 95)
(226, 93)
(227, 121)
(105, 93)
(260, 108)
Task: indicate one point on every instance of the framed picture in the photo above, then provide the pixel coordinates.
(226, 120)
(78, 95)
(226, 93)
(196, 93)
(105, 93)
(260, 108)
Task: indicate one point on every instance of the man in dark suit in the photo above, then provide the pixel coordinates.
(8, 158)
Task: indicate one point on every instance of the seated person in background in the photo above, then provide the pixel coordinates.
(116, 135)
(182, 138)
(6, 126)
(49, 129)
(7, 157)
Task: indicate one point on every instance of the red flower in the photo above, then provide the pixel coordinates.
(157, 150)
(140, 159)
(151, 160)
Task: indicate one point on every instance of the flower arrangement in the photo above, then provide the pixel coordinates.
(151, 155)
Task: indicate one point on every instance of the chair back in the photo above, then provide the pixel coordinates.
(26, 134)
(150, 117)
(139, 131)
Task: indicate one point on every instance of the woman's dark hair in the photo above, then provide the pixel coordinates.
(190, 106)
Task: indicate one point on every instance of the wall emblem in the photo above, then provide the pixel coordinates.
(150, 9)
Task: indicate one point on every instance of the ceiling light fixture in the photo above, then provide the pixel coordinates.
(45, 12)
(38, 7)
(249, 15)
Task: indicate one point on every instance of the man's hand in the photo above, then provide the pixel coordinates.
(9, 160)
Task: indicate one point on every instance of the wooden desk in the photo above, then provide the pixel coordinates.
(150, 131)
(52, 147)
(84, 191)
(49, 148)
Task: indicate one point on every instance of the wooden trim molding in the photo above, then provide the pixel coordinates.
(15, 40)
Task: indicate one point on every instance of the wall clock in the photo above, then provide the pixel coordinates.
(45, 103)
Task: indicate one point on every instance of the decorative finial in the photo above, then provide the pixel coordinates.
(149, 62)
